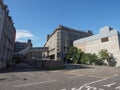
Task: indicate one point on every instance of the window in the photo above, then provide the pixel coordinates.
(57, 49)
(104, 39)
(57, 34)
(57, 46)
(58, 54)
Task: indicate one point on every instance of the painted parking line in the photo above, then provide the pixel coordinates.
(95, 81)
(74, 76)
(71, 89)
(87, 86)
(90, 75)
(108, 85)
(118, 87)
(29, 84)
(100, 80)
(82, 74)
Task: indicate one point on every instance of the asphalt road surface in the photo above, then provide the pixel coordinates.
(78, 78)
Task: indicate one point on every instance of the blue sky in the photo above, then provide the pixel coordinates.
(35, 19)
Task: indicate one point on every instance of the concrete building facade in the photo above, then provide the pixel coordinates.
(108, 39)
(62, 38)
(25, 52)
(7, 36)
(19, 46)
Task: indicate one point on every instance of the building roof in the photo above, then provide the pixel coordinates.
(61, 27)
(104, 32)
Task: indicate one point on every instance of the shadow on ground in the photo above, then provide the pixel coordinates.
(24, 67)
(77, 66)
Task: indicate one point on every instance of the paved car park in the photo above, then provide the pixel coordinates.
(75, 78)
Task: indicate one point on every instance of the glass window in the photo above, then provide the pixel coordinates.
(106, 39)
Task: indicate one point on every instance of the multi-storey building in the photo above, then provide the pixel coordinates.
(25, 51)
(108, 39)
(19, 46)
(7, 36)
(62, 38)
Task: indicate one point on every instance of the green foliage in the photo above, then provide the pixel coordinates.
(111, 61)
(74, 54)
(71, 53)
(77, 56)
(88, 58)
(99, 62)
(103, 54)
(93, 58)
(85, 58)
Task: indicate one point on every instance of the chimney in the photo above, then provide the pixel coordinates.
(29, 43)
(48, 36)
(90, 32)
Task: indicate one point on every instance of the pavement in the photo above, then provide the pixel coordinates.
(74, 77)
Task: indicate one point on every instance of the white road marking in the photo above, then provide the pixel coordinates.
(81, 87)
(73, 89)
(108, 85)
(118, 87)
(89, 88)
(86, 84)
(75, 76)
(29, 84)
(95, 81)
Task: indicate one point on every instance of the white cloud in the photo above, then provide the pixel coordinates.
(23, 35)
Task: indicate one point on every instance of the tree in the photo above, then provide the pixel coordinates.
(74, 54)
(103, 56)
(111, 61)
(93, 58)
(88, 58)
(85, 58)
(79, 55)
